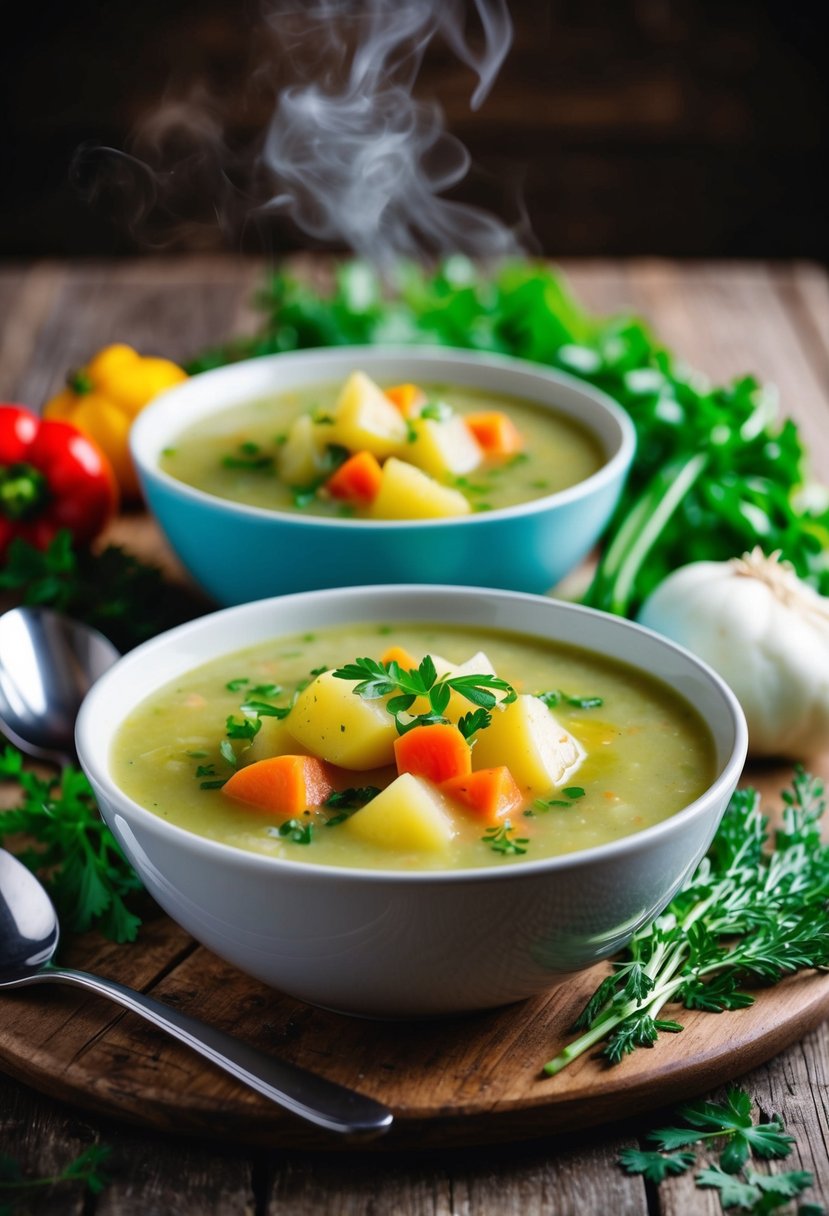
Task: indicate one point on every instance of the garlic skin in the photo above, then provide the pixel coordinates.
(766, 633)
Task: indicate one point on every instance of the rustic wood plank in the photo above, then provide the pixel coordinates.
(27, 296)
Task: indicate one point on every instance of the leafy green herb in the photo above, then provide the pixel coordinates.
(656, 1167)
(571, 794)
(244, 728)
(206, 770)
(297, 830)
(468, 724)
(249, 456)
(85, 1169)
(374, 679)
(113, 591)
(437, 411)
(729, 1126)
(502, 840)
(72, 850)
(715, 472)
(748, 915)
(346, 802)
(227, 752)
(238, 684)
(555, 697)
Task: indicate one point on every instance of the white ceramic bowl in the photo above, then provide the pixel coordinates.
(239, 553)
(403, 944)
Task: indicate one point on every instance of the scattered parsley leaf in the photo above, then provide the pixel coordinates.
(501, 839)
(655, 1167)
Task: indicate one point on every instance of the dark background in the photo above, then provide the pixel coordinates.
(674, 127)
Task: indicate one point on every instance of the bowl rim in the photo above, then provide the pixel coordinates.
(97, 767)
(616, 466)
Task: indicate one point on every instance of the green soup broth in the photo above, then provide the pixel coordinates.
(233, 454)
(648, 752)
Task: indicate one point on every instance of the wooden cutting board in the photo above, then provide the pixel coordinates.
(461, 1081)
(468, 1080)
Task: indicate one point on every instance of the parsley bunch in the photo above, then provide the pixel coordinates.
(73, 851)
(374, 680)
(730, 1125)
(112, 591)
(747, 916)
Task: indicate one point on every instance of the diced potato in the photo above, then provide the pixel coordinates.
(443, 449)
(344, 729)
(365, 420)
(301, 458)
(409, 493)
(272, 739)
(408, 815)
(526, 737)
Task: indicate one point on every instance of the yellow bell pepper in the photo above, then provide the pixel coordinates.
(103, 398)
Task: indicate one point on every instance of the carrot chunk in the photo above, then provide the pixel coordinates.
(406, 397)
(490, 792)
(287, 785)
(496, 432)
(357, 479)
(400, 656)
(436, 752)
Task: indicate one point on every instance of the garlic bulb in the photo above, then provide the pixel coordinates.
(766, 633)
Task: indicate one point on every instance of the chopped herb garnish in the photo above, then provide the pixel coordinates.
(213, 785)
(303, 496)
(249, 456)
(374, 679)
(298, 830)
(438, 411)
(518, 458)
(571, 793)
(318, 671)
(323, 419)
(206, 770)
(501, 840)
(556, 697)
(197, 755)
(247, 728)
(237, 684)
(262, 709)
(346, 802)
(265, 690)
(249, 448)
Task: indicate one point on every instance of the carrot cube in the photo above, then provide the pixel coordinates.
(490, 793)
(436, 752)
(496, 433)
(357, 479)
(400, 656)
(286, 785)
(406, 397)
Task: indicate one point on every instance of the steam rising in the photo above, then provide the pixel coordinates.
(350, 155)
(356, 157)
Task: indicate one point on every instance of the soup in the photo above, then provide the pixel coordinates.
(449, 748)
(403, 452)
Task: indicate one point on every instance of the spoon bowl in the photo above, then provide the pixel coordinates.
(29, 935)
(48, 663)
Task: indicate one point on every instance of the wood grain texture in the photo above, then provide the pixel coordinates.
(725, 320)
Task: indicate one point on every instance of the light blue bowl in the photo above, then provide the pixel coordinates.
(239, 553)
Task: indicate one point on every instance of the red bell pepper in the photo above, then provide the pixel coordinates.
(51, 477)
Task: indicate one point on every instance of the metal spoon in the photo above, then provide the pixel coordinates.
(28, 941)
(48, 663)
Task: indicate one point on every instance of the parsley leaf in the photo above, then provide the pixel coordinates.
(72, 851)
(656, 1167)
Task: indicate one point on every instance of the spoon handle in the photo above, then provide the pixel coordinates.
(315, 1099)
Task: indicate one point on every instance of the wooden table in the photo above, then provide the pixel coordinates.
(725, 320)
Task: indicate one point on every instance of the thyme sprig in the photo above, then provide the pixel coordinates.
(748, 915)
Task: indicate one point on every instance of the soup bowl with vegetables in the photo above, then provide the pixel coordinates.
(411, 800)
(351, 466)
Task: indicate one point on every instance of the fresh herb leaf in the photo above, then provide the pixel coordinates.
(655, 1167)
(297, 830)
(113, 591)
(244, 728)
(555, 697)
(238, 684)
(501, 839)
(72, 850)
(346, 802)
(469, 723)
(747, 915)
(85, 1169)
(437, 411)
(228, 754)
